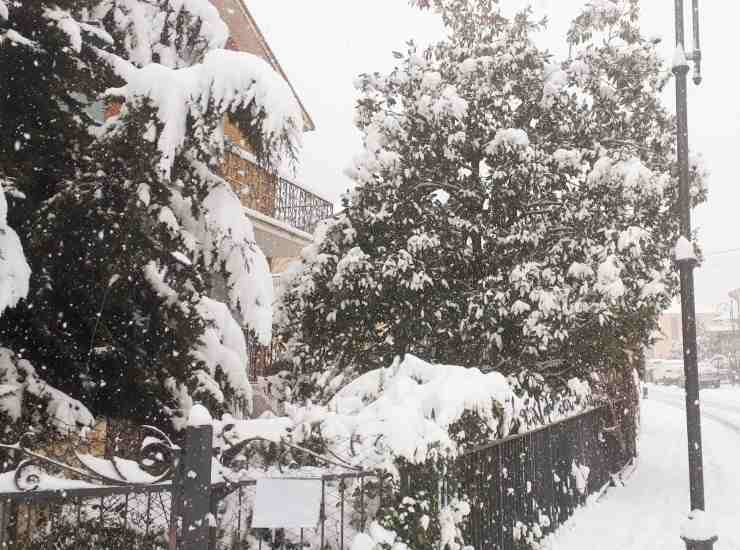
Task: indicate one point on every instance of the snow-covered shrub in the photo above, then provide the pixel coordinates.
(408, 422)
(446, 408)
(416, 521)
(27, 401)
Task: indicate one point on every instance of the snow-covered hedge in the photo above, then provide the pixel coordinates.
(407, 421)
(415, 411)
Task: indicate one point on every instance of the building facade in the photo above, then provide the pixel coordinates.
(284, 213)
(669, 337)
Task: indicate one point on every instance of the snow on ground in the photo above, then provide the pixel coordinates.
(648, 512)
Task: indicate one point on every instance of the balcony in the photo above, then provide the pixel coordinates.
(298, 207)
(273, 196)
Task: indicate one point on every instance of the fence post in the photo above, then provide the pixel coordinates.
(195, 480)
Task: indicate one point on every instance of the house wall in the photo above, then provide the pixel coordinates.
(255, 186)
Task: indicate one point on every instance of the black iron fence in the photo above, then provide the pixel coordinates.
(299, 207)
(88, 519)
(519, 488)
(263, 190)
(523, 487)
(47, 504)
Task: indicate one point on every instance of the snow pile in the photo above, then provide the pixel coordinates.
(14, 270)
(684, 250)
(199, 416)
(450, 517)
(679, 57)
(568, 158)
(580, 473)
(45, 482)
(699, 526)
(555, 81)
(19, 381)
(376, 538)
(629, 176)
(67, 25)
(508, 137)
(226, 82)
(273, 429)
(430, 398)
(608, 278)
(434, 105)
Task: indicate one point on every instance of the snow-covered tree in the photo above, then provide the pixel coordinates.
(509, 208)
(146, 274)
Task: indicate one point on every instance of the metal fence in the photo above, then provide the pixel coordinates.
(184, 508)
(108, 518)
(349, 502)
(519, 488)
(524, 486)
(141, 517)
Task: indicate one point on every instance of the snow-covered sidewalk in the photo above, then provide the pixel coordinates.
(647, 513)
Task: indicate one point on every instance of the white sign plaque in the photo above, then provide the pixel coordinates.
(287, 503)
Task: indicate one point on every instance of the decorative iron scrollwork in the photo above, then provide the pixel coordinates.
(229, 454)
(156, 463)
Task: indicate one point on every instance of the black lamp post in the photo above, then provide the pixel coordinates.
(686, 263)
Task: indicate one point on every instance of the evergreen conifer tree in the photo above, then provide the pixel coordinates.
(145, 271)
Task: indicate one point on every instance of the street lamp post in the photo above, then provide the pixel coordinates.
(686, 263)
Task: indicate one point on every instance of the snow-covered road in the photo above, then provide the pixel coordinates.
(721, 405)
(646, 514)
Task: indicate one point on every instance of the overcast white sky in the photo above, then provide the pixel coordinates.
(324, 44)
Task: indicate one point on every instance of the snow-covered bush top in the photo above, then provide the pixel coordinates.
(20, 384)
(412, 411)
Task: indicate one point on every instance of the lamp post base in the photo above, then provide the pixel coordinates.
(699, 530)
(700, 544)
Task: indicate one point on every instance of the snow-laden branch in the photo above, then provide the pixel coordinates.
(225, 83)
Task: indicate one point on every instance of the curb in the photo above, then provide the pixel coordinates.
(619, 478)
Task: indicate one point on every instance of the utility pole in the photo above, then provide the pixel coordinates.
(686, 262)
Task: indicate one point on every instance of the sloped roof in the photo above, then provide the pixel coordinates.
(246, 36)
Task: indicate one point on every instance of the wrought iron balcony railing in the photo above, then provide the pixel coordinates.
(298, 207)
